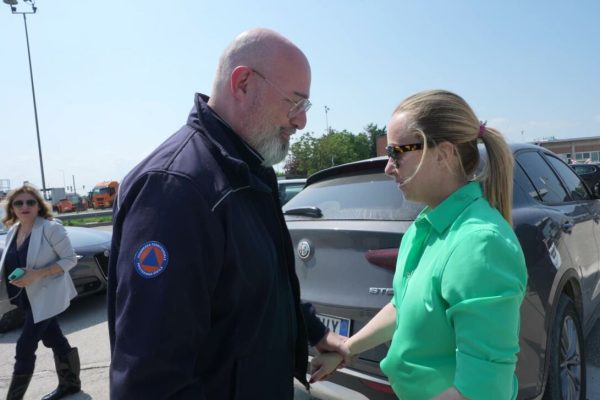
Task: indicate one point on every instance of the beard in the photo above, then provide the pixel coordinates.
(266, 139)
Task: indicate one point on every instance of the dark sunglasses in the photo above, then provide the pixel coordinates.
(20, 203)
(393, 151)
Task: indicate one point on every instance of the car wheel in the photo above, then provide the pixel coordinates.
(566, 377)
(12, 320)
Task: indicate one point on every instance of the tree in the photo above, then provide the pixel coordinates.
(373, 132)
(309, 154)
(300, 155)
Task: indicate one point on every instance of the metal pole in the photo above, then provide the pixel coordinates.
(326, 120)
(37, 126)
(74, 187)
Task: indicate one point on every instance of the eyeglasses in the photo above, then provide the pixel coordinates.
(394, 151)
(20, 203)
(300, 106)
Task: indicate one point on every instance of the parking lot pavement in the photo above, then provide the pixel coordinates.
(592, 347)
(84, 324)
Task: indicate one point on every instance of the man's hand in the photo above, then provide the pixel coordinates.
(336, 343)
(324, 365)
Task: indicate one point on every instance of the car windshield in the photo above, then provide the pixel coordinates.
(103, 190)
(359, 197)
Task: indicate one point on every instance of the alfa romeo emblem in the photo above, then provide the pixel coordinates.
(304, 249)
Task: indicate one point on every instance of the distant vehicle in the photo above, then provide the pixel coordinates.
(590, 173)
(346, 226)
(63, 206)
(58, 198)
(104, 193)
(92, 247)
(288, 188)
(79, 203)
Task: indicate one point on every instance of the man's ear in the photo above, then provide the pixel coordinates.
(239, 81)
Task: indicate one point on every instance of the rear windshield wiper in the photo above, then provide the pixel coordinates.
(314, 212)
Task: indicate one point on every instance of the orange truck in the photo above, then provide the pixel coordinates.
(104, 193)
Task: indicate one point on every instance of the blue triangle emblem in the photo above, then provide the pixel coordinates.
(151, 259)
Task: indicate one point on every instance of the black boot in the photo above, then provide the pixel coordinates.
(18, 387)
(67, 369)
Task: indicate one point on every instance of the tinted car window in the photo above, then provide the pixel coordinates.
(572, 181)
(584, 169)
(548, 186)
(363, 197)
(521, 180)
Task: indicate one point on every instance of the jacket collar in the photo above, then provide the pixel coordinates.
(239, 160)
(35, 241)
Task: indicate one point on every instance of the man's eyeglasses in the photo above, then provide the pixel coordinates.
(394, 151)
(300, 106)
(20, 203)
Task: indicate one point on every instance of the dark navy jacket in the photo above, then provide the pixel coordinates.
(203, 299)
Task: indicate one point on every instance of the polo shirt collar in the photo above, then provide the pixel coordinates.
(442, 216)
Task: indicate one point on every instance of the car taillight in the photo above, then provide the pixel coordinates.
(385, 258)
(378, 386)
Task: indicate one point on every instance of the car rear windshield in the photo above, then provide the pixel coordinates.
(357, 197)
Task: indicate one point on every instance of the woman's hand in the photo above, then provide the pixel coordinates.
(334, 342)
(323, 365)
(31, 275)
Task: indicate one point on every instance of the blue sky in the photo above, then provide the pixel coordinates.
(114, 79)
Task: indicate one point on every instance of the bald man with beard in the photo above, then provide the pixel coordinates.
(203, 299)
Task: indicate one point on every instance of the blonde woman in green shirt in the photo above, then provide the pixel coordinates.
(460, 276)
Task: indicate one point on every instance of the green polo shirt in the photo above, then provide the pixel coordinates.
(459, 282)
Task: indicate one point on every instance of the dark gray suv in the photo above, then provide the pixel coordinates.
(347, 225)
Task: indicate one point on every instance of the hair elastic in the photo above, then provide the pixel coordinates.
(481, 129)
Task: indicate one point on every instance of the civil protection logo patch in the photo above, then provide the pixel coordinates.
(151, 259)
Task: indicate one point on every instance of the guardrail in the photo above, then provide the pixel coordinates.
(84, 214)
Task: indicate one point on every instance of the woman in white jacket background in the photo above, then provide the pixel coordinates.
(40, 246)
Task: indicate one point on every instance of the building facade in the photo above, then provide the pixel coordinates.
(575, 150)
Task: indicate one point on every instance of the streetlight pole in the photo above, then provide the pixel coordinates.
(326, 120)
(13, 8)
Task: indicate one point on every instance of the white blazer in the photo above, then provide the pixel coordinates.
(48, 245)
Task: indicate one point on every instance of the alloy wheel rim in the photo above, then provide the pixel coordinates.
(570, 360)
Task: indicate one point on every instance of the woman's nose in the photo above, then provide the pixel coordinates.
(390, 168)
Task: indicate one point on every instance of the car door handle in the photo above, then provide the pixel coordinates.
(567, 226)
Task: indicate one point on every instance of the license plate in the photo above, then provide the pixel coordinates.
(341, 326)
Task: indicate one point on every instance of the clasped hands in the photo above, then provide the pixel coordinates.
(334, 354)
